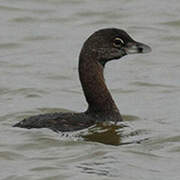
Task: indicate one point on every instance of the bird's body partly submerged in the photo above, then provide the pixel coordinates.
(58, 121)
(102, 46)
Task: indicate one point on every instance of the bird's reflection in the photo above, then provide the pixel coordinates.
(105, 133)
(116, 134)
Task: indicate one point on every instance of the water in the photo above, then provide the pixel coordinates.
(39, 47)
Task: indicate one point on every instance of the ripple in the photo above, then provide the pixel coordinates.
(28, 92)
(175, 149)
(171, 139)
(17, 9)
(71, 91)
(45, 144)
(8, 155)
(145, 154)
(147, 84)
(3, 91)
(171, 38)
(130, 118)
(124, 91)
(61, 19)
(37, 38)
(15, 177)
(26, 19)
(59, 77)
(41, 11)
(60, 1)
(10, 45)
(107, 14)
(89, 169)
(8, 8)
(16, 115)
(163, 143)
(172, 23)
(58, 177)
(44, 168)
(136, 133)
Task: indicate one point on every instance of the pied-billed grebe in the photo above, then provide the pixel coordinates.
(101, 47)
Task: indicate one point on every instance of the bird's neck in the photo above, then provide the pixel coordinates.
(95, 90)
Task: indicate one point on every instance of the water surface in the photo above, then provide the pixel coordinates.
(39, 48)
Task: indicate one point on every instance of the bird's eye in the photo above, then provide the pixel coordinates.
(118, 42)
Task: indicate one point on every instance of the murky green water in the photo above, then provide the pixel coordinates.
(39, 45)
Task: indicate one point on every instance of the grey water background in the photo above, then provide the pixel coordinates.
(39, 45)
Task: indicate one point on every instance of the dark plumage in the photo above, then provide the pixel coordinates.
(101, 47)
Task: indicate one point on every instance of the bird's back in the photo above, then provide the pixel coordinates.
(58, 121)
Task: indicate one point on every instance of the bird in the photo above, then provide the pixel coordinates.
(102, 46)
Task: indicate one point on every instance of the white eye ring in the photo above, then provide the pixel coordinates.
(118, 42)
